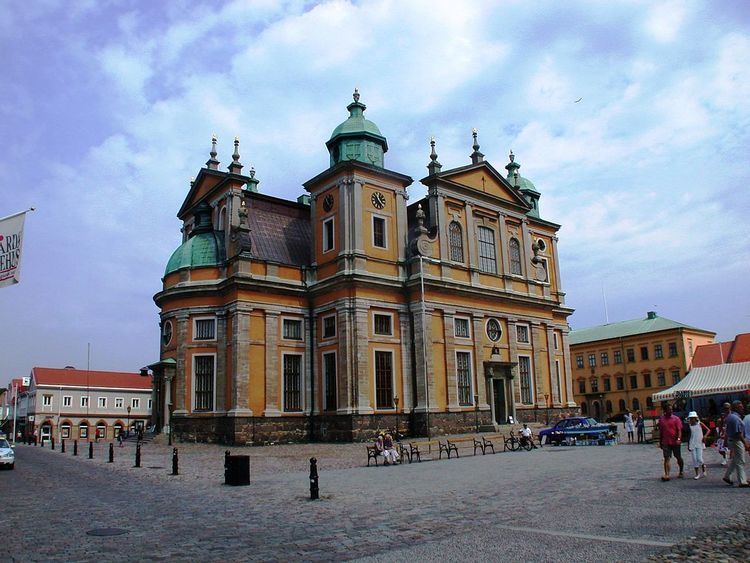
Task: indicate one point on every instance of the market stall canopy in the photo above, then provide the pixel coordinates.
(711, 380)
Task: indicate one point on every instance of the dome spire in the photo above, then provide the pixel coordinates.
(476, 156)
(236, 166)
(212, 163)
(434, 166)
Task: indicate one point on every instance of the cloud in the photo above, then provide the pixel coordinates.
(664, 20)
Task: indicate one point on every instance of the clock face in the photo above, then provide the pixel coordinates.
(378, 200)
(328, 202)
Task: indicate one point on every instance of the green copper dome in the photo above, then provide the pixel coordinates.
(524, 185)
(205, 247)
(357, 138)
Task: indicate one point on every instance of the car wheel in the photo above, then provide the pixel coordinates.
(12, 465)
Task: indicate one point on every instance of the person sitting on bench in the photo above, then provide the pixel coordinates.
(389, 450)
(527, 435)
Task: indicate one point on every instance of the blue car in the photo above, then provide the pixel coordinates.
(577, 427)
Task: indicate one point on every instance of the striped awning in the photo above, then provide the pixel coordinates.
(711, 380)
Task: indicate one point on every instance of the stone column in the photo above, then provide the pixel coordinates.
(553, 390)
(365, 404)
(526, 252)
(311, 404)
(273, 374)
(241, 364)
(402, 229)
(569, 402)
(423, 349)
(556, 267)
(513, 343)
(221, 362)
(480, 380)
(181, 399)
(538, 338)
(168, 376)
(354, 216)
(450, 360)
(504, 251)
(471, 248)
(345, 390)
(407, 392)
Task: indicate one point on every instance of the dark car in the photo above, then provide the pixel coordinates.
(577, 427)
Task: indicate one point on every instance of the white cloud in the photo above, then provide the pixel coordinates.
(665, 20)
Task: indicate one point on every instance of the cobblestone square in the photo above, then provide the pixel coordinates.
(551, 504)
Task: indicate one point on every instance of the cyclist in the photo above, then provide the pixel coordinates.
(527, 436)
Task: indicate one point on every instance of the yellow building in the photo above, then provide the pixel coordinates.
(618, 366)
(348, 311)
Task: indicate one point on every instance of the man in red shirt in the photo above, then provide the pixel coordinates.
(670, 439)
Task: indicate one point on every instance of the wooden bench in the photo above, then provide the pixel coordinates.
(403, 452)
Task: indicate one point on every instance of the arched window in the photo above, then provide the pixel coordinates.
(83, 430)
(623, 405)
(609, 406)
(636, 404)
(515, 256)
(222, 220)
(584, 408)
(456, 240)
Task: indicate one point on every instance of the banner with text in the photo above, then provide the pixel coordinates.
(11, 239)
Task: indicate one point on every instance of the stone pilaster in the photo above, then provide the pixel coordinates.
(553, 389)
(309, 331)
(556, 266)
(538, 338)
(569, 402)
(407, 391)
(450, 360)
(504, 251)
(526, 252)
(273, 371)
(168, 377)
(221, 362)
(182, 401)
(471, 248)
(513, 343)
(480, 388)
(355, 215)
(424, 363)
(365, 403)
(344, 372)
(241, 364)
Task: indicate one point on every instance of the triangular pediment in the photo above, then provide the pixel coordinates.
(483, 178)
(206, 182)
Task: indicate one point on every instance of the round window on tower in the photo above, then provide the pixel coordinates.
(166, 333)
(541, 245)
(494, 330)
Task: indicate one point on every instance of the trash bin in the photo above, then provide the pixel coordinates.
(237, 470)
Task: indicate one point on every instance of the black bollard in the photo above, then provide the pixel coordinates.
(314, 491)
(53, 442)
(62, 445)
(175, 462)
(137, 455)
(111, 453)
(226, 465)
(42, 442)
(75, 447)
(91, 450)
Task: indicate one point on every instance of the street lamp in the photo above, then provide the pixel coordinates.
(128, 432)
(476, 413)
(395, 402)
(546, 406)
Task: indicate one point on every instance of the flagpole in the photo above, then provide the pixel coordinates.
(17, 214)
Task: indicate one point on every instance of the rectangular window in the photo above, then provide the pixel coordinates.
(150, 404)
(661, 379)
(618, 357)
(329, 380)
(607, 384)
(383, 379)
(634, 382)
(672, 349)
(292, 329)
(487, 255)
(605, 358)
(65, 431)
(83, 431)
(620, 383)
(463, 375)
(522, 334)
(647, 380)
(524, 369)
(378, 232)
(67, 401)
(594, 385)
(675, 376)
(592, 360)
(102, 402)
(382, 324)
(119, 402)
(328, 235)
(543, 264)
(631, 354)
(205, 329)
(581, 385)
(136, 403)
(84, 401)
(292, 383)
(204, 384)
(47, 400)
(658, 352)
(579, 362)
(644, 353)
(329, 326)
(461, 327)
(556, 341)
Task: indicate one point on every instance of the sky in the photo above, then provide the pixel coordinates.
(632, 118)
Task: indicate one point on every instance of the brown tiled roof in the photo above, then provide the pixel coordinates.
(280, 233)
(85, 378)
(732, 352)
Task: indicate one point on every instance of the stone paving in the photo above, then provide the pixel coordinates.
(552, 504)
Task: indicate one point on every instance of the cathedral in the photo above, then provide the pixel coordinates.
(353, 310)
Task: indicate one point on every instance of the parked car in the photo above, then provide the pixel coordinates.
(7, 455)
(577, 427)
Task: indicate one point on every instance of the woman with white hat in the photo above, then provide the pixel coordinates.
(697, 443)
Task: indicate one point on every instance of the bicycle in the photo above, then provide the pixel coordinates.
(514, 443)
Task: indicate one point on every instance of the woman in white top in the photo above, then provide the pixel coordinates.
(629, 427)
(697, 443)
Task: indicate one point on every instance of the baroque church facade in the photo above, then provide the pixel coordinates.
(351, 310)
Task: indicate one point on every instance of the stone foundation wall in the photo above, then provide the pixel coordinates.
(542, 415)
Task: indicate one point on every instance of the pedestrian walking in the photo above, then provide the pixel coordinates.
(697, 443)
(670, 440)
(736, 442)
(119, 438)
(640, 427)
